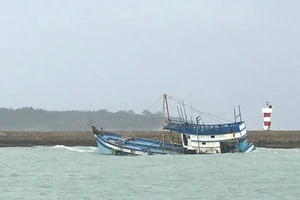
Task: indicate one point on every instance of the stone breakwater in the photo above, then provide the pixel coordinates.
(269, 139)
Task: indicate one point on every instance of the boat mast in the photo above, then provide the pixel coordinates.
(165, 113)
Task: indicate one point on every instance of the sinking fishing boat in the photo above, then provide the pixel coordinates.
(201, 138)
(115, 144)
(196, 138)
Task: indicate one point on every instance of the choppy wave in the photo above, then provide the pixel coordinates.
(68, 172)
(78, 149)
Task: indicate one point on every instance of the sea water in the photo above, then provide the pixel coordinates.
(61, 172)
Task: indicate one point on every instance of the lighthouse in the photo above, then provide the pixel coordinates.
(267, 117)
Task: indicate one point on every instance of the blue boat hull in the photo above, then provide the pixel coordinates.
(249, 148)
(108, 146)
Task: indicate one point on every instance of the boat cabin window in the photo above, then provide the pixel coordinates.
(212, 136)
(188, 136)
(203, 143)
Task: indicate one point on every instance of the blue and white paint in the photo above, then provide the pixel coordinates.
(216, 138)
(116, 144)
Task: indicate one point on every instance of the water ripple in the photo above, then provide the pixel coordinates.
(62, 172)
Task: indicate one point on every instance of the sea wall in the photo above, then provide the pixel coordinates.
(269, 139)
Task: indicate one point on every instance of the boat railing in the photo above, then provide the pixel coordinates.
(205, 129)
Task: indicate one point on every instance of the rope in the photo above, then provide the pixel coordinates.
(142, 114)
(209, 115)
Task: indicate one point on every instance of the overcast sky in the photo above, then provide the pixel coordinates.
(121, 55)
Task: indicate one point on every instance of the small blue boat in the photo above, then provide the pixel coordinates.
(116, 144)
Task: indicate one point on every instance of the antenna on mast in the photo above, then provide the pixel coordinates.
(179, 115)
(234, 114)
(191, 109)
(184, 112)
(182, 115)
(239, 115)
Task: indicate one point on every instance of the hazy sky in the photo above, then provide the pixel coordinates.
(121, 55)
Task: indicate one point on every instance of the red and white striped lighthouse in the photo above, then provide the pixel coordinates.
(267, 116)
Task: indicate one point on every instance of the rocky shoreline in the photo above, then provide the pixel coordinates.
(268, 139)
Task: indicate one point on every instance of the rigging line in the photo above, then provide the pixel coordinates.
(200, 112)
(213, 116)
(142, 113)
(215, 119)
(194, 109)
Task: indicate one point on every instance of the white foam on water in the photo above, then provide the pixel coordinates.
(77, 149)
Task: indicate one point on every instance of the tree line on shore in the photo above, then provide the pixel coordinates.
(31, 119)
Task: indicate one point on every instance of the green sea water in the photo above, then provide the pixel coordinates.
(62, 172)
